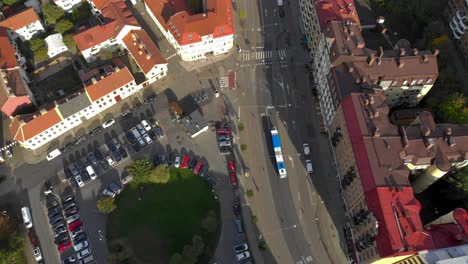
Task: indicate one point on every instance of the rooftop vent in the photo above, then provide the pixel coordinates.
(429, 142)
(404, 137)
(377, 132)
(425, 131)
(448, 131)
(415, 51)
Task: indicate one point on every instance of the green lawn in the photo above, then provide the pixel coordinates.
(166, 218)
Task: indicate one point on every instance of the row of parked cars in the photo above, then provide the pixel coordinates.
(144, 133)
(67, 229)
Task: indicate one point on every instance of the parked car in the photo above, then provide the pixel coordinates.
(51, 202)
(73, 169)
(53, 210)
(147, 139)
(32, 237)
(159, 132)
(123, 153)
(108, 123)
(127, 179)
(110, 161)
(104, 164)
(231, 166)
(204, 170)
(83, 244)
(185, 161)
(308, 165)
(145, 125)
(92, 158)
(136, 146)
(198, 167)
(170, 159)
(55, 219)
(177, 161)
(61, 239)
(192, 163)
(240, 248)
(243, 255)
(74, 225)
(152, 135)
(59, 231)
(58, 225)
(141, 141)
(223, 131)
(91, 172)
(85, 252)
(233, 178)
(236, 209)
(224, 143)
(80, 139)
(64, 246)
(71, 259)
(98, 155)
(130, 137)
(79, 181)
(73, 218)
(223, 137)
(71, 211)
(69, 205)
(225, 150)
(79, 238)
(126, 112)
(140, 129)
(108, 192)
(115, 188)
(150, 98)
(135, 132)
(37, 254)
(210, 181)
(306, 148)
(68, 197)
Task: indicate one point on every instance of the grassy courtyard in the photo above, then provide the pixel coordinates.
(155, 221)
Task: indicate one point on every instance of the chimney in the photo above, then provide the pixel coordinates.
(93, 80)
(134, 43)
(43, 111)
(436, 52)
(370, 59)
(415, 51)
(380, 53)
(140, 46)
(140, 52)
(425, 58)
(148, 56)
(402, 52)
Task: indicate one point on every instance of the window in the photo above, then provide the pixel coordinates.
(420, 81)
(405, 82)
(394, 83)
(429, 80)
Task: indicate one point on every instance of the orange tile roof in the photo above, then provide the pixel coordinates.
(336, 10)
(116, 15)
(189, 28)
(109, 84)
(24, 131)
(7, 51)
(20, 20)
(138, 41)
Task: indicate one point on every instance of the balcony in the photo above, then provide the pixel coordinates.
(452, 25)
(460, 14)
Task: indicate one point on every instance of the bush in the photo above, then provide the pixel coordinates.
(35, 44)
(70, 42)
(250, 193)
(254, 219)
(81, 13)
(41, 54)
(52, 13)
(140, 169)
(160, 175)
(210, 223)
(243, 147)
(262, 245)
(63, 25)
(106, 205)
(240, 126)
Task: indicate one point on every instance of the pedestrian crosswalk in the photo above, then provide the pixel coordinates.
(224, 82)
(262, 55)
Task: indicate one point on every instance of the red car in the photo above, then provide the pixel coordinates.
(74, 225)
(198, 167)
(64, 246)
(32, 238)
(231, 166)
(185, 161)
(223, 131)
(233, 178)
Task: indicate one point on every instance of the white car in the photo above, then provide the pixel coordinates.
(8, 153)
(81, 245)
(37, 254)
(109, 193)
(145, 124)
(147, 139)
(177, 161)
(110, 160)
(308, 165)
(243, 255)
(83, 253)
(53, 154)
(306, 148)
(108, 123)
(127, 179)
(79, 180)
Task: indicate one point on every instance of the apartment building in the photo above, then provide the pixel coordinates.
(23, 25)
(457, 18)
(117, 22)
(35, 130)
(195, 36)
(375, 159)
(67, 5)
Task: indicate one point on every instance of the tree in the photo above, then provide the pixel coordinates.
(105, 55)
(242, 14)
(10, 2)
(35, 44)
(240, 126)
(81, 13)
(454, 109)
(69, 41)
(106, 204)
(52, 13)
(7, 226)
(140, 169)
(244, 147)
(458, 185)
(41, 53)
(177, 259)
(210, 222)
(63, 25)
(160, 175)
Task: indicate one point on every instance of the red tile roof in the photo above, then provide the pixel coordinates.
(15, 103)
(33, 126)
(13, 92)
(188, 28)
(20, 20)
(8, 58)
(339, 10)
(138, 41)
(109, 84)
(115, 15)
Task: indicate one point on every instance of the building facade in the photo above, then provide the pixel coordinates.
(23, 25)
(33, 131)
(457, 18)
(67, 5)
(195, 36)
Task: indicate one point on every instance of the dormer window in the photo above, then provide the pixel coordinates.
(190, 37)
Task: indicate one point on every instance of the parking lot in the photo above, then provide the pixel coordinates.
(176, 142)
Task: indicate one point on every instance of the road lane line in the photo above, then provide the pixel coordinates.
(299, 196)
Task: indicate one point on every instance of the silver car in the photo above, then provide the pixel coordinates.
(73, 218)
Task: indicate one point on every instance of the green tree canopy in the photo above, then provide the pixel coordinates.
(69, 41)
(455, 109)
(458, 185)
(81, 12)
(63, 25)
(106, 204)
(10, 2)
(41, 53)
(140, 169)
(52, 13)
(160, 175)
(35, 44)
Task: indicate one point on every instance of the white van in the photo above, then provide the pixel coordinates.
(53, 154)
(91, 172)
(26, 217)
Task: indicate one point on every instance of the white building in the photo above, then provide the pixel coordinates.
(55, 45)
(67, 5)
(36, 130)
(23, 25)
(195, 36)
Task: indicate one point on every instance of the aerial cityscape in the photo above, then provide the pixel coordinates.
(234, 131)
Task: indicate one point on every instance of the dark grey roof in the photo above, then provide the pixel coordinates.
(194, 123)
(74, 105)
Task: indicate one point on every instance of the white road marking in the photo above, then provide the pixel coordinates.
(262, 114)
(309, 258)
(299, 196)
(290, 159)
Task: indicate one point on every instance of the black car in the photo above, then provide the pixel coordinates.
(58, 225)
(170, 159)
(123, 153)
(68, 205)
(136, 147)
(130, 137)
(98, 155)
(115, 155)
(51, 203)
(192, 163)
(236, 208)
(225, 150)
(71, 211)
(159, 132)
(104, 164)
(210, 181)
(85, 176)
(79, 165)
(150, 98)
(156, 161)
(62, 238)
(73, 183)
(79, 238)
(203, 171)
(86, 161)
(163, 159)
(93, 158)
(55, 219)
(52, 211)
(152, 135)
